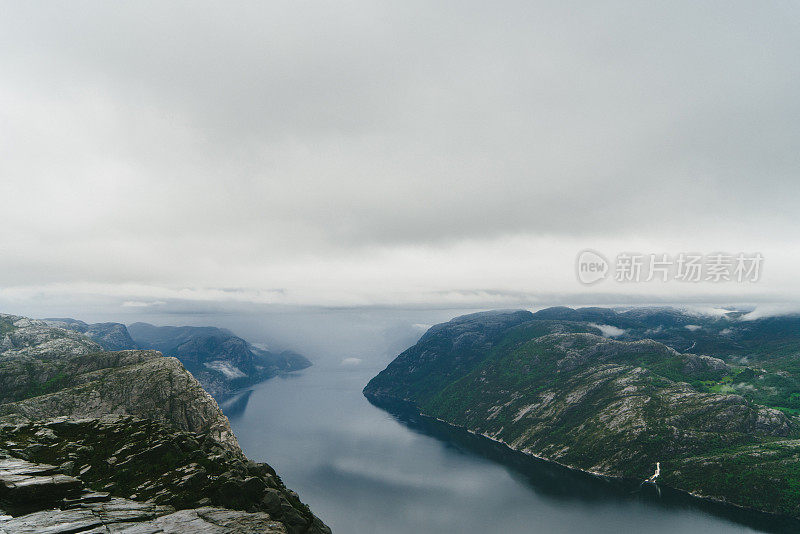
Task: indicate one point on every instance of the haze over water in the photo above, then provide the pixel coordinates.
(364, 471)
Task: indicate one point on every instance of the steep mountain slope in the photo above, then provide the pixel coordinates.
(552, 388)
(132, 423)
(48, 372)
(141, 383)
(446, 352)
(221, 361)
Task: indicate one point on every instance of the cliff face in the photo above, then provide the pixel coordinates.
(46, 372)
(133, 424)
(99, 472)
(141, 383)
(221, 361)
(552, 388)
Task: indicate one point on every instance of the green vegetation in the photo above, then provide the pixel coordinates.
(6, 326)
(59, 381)
(723, 421)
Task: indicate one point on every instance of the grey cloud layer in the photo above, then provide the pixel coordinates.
(208, 135)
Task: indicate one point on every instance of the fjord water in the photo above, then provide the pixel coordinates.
(363, 470)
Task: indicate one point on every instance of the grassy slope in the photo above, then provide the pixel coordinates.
(730, 462)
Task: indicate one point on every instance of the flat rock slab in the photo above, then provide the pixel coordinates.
(52, 522)
(118, 518)
(204, 521)
(118, 510)
(86, 497)
(17, 466)
(23, 482)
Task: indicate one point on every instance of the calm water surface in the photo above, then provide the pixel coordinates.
(364, 471)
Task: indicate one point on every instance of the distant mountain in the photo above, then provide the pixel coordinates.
(220, 360)
(110, 336)
(605, 391)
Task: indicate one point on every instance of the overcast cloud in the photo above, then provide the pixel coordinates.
(354, 153)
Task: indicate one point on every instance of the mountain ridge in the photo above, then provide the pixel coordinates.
(221, 361)
(552, 387)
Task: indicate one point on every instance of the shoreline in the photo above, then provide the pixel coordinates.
(760, 520)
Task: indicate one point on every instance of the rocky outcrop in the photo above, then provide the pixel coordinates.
(24, 484)
(138, 444)
(126, 516)
(110, 336)
(20, 336)
(48, 501)
(141, 383)
(49, 372)
(142, 467)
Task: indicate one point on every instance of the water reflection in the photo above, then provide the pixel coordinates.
(557, 482)
(237, 404)
(365, 470)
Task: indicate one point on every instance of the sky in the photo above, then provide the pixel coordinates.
(392, 153)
